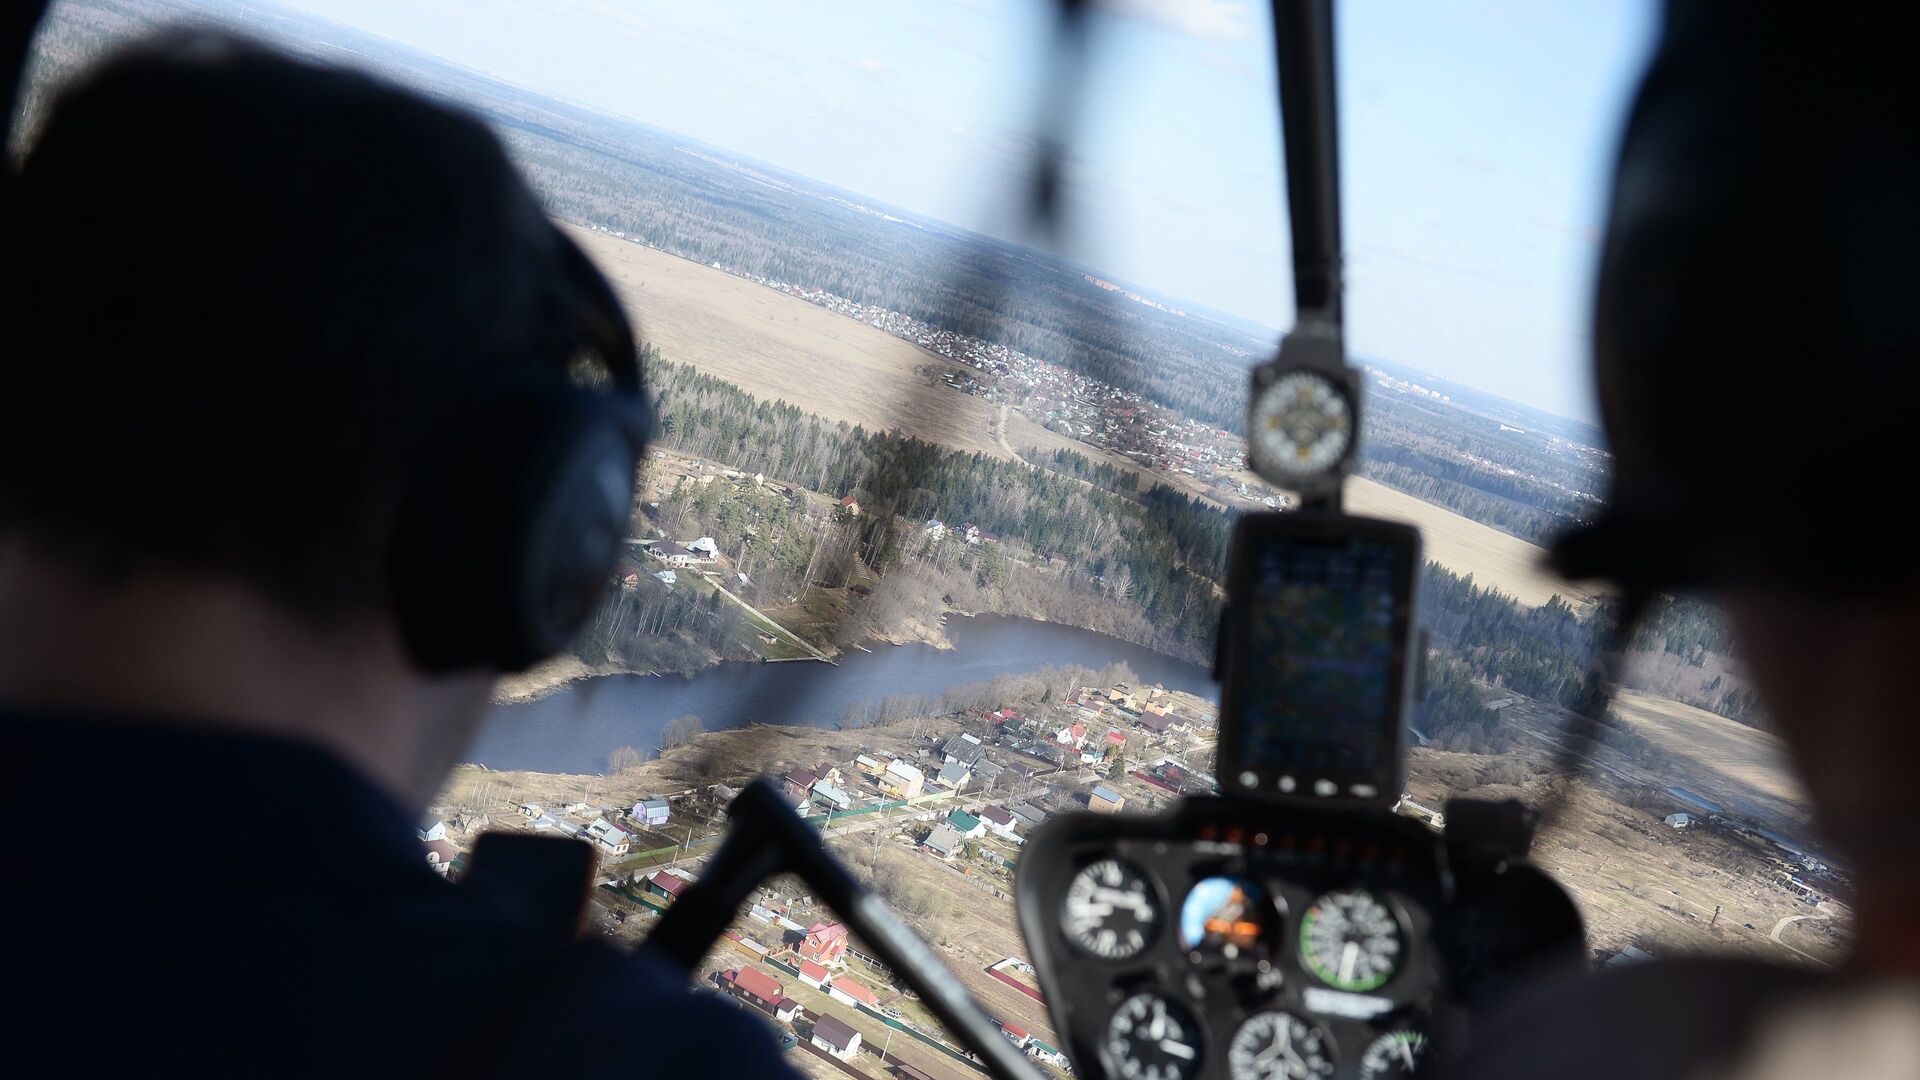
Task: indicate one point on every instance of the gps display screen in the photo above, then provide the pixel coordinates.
(1320, 679)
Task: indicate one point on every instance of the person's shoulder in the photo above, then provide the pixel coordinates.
(1866, 1031)
(1658, 1020)
(588, 1008)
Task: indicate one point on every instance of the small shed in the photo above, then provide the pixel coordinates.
(1105, 800)
(836, 1037)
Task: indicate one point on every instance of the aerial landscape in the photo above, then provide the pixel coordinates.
(934, 535)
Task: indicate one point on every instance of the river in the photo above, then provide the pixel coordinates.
(575, 730)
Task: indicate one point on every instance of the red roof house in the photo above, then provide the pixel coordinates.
(754, 986)
(825, 943)
(813, 974)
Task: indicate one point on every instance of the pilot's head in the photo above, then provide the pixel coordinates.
(294, 338)
(1758, 355)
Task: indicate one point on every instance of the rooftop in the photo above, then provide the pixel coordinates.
(834, 1031)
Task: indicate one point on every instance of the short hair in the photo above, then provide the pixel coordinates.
(239, 294)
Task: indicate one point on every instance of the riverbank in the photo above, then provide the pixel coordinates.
(550, 677)
(574, 726)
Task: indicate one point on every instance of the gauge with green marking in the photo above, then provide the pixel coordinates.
(1350, 940)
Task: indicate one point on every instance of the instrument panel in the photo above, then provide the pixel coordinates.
(1224, 939)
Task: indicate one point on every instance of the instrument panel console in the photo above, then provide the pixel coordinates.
(1225, 938)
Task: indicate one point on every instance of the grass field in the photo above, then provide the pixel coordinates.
(780, 347)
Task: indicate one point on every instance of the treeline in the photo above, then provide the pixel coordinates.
(650, 627)
(1169, 548)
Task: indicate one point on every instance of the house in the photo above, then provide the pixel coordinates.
(963, 748)
(953, 776)
(1027, 814)
(1116, 739)
(608, 837)
(785, 1010)
(531, 810)
(1158, 723)
(1072, 736)
(851, 505)
(850, 991)
(1051, 753)
(1679, 821)
(987, 771)
(798, 785)
(652, 812)
(814, 975)
(967, 825)
(944, 841)
(432, 829)
(667, 883)
(825, 794)
(935, 528)
(1105, 800)
(705, 548)
(753, 986)
(440, 855)
(1020, 1036)
(867, 767)
(832, 1034)
(1000, 820)
(902, 781)
(825, 944)
(673, 554)
(666, 577)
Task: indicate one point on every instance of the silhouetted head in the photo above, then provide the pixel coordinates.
(1758, 360)
(240, 296)
(243, 301)
(1755, 342)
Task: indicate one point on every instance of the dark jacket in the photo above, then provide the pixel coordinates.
(201, 903)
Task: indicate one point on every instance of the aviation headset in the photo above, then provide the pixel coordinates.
(510, 531)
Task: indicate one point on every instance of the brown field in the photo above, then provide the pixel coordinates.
(780, 347)
(1747, 768)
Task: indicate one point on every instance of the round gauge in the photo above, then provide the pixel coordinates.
(1350, 940)
(1279, 1046)
(1393, 1056)
(1224, 915)
(1302, 424)
(1151, 1038)
(1110, 910)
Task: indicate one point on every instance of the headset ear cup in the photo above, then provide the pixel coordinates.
(511, 531)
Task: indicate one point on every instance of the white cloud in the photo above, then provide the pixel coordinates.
(871, 66)
(1216, 20)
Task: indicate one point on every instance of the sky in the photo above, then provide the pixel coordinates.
(1476, 139)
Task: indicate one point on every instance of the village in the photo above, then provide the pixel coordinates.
(1064, 401)
(944, 803)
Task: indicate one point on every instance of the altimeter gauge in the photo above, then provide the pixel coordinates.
(1110, 910)
(1351, 940)
(1152, 1038)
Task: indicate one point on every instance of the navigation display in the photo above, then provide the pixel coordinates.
(1321, 685)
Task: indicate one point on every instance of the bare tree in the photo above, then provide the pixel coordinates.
(680, 730)
(624, 758)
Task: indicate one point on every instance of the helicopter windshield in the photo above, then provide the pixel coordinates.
(947, 313)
